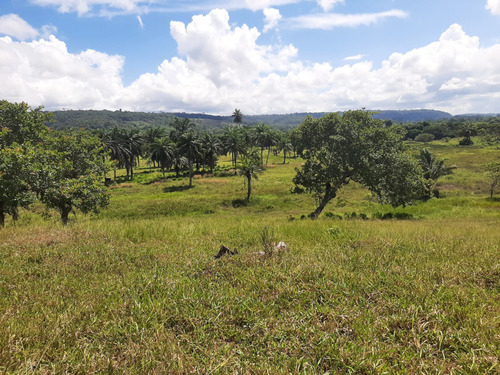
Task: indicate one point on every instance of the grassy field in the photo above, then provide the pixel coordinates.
(136, 288)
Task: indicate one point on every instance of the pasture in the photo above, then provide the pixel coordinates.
(136, 288)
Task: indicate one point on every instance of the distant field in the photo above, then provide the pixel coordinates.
(135, 289)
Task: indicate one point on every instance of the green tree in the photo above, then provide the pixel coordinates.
(181, 126)
(467, 131)
(20, 123)
(234, 143)
(73, 178)
(162, 151)
(211, 147)
(15, 191)
(237, 116)
(284, 145)
(115, 147)
(493, 173)
(132, 141)
(190, 146)
(249, 167)
(355, 147)
(432, 169)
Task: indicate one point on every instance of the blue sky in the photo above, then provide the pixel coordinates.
(262, 56)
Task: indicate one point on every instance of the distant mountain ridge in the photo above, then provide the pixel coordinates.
(99, 119)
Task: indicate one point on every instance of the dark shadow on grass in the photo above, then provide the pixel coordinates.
(174, 189)
(239, 203)
(494, 199)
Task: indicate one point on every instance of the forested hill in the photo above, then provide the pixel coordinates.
(92, 119)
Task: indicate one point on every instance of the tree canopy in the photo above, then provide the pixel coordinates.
(355, 147)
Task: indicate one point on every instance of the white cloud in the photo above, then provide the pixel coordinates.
(86, 6)
(328, 21)
(329, 4)
(221, 67)
(43, 72)
(493, 6)
(354, 58)
(272, 18)
(141, 24)
(14, 26)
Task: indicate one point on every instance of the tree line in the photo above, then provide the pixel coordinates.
(65, 170)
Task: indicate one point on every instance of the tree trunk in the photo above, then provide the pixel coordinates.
(15, 214)
(327, 198)
(268, 152)
(114, 172)
(330, 193)
(65, 215)
(249, 192)
(284, 157)
(190, 173)
(2, 218)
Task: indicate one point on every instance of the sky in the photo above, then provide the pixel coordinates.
(260, 56)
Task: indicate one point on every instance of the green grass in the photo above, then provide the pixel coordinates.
(136, 289)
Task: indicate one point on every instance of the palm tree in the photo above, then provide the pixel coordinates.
(116, 149)
(261, 137)
(467, 131)
(237, 116)
(132, 140)
(233, 142)
(249, 167)
(283, 144)
(181, 127)
(211, 148)
(162, 151)
(432, 169)
(179, 162)
(190, 146)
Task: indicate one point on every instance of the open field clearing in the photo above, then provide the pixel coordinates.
(136, 288)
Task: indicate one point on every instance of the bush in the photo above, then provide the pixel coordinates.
(424, 137)
(331, 215)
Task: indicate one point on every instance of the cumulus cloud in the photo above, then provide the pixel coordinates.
(493, 6)
(43, 72)
(14, 26)
(328, 21)
(272, 18)
(329, 4)
(221, 67)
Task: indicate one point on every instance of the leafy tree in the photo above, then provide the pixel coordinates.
(493, 173)
(432, 169)
(72, 180)
(250, 166)
(237, 116)
(15, 190)
(20, 123)
(355, 147)
(85, 193)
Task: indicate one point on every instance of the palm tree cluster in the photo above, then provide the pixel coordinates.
(185, 148)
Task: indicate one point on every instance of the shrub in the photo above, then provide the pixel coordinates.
(424, 137)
